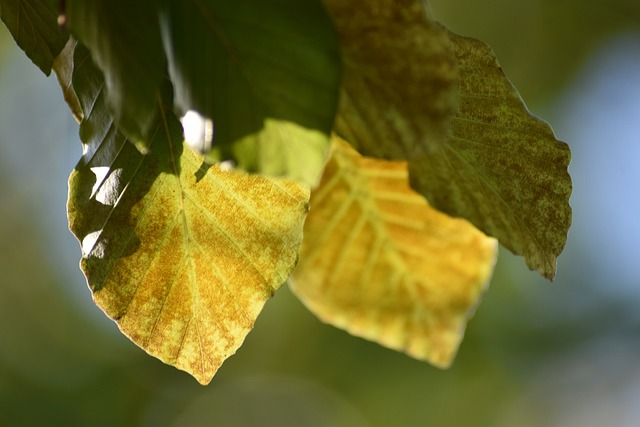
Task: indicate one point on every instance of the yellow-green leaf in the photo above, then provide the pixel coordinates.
(378, 261)
(182, 257)
(399, 77)
(501, 168)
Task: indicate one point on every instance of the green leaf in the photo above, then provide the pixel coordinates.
(501, 168)
(34, 26)
(183, 259)
(415, 91)
(399, 78)
(267, 73)
(124, 39)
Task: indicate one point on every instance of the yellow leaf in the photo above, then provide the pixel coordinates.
(378, 261)
(182, 257)
(199, 259)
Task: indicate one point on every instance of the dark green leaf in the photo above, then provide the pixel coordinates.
(34, 26)
(124, 39)
(267, 73)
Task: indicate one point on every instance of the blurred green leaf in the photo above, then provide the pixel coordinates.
(267, 73)
(399, 80)
(34, 27)
(473, 148)
(124, 39)
(501, 168)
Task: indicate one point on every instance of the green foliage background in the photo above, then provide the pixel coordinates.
(533, 353)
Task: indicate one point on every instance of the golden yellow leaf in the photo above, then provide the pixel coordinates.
(182, 257)
(378, 261)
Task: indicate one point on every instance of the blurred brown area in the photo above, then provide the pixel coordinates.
(535, 353)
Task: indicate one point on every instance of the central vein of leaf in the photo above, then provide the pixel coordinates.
(176, 171)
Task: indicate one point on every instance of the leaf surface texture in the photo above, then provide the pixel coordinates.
(501, 168)
(415, 91)
(378, 261)
(181, 256)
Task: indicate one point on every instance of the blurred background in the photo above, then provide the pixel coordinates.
(535, 354)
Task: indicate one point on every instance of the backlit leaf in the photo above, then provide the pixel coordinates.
(63, 67)
(34, 26)
(501, 168)
(399, 78)
(182, 257)
(267, 73)
(378, 261)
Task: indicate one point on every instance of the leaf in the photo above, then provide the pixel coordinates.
(182, 258)
(399, 79)
(267, 73)
(415, 91)
(378, 261)
(501, 168)
(35, 29)
(124, 39)
(63, 67)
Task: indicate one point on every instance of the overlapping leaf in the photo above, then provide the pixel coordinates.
(182, 258)
(267, 73)
(124, 39)
(501, 167)
(399, 79)
(63, 67)
(378, 261)
(34, 27)
(417, 92)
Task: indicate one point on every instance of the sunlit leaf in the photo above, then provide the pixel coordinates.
(124, 39)
(501, 168)
(378, 261)
(34, 26)
(182, 257)
(267, 73)
(399, 78)
(63, 67)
